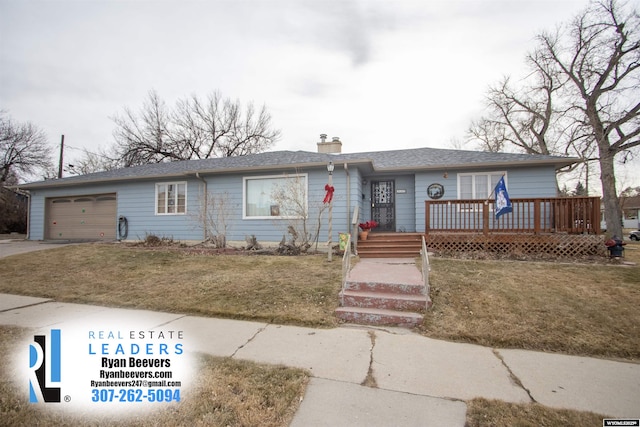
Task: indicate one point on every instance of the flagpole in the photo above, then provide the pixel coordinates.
(493, 191)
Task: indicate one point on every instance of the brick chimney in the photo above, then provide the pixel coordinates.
(331, 147)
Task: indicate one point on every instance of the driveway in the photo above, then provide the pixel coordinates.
(10, 246)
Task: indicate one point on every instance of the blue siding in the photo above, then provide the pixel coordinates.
(357, 196)
(423, 180)
(521, 183)
(272, 230)
(136, 201)
(36, 216)
(532, 182)
(405, 204)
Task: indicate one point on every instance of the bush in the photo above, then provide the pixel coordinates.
(13, 212)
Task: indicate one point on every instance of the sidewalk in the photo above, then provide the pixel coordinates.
(421, 381)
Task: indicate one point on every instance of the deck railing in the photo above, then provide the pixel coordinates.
(572, 215)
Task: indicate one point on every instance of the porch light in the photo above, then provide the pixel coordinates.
(330, 168)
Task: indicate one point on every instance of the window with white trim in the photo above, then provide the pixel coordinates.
(274, 196)
(477, 185)
(171, 198)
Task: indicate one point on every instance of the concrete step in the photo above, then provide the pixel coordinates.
(394, 236)
(385, 288)
(376, 316)
(389, 301)
(390, 239)
(384, 253)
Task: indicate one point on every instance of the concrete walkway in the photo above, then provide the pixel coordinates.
(10, 246)
(420, 381)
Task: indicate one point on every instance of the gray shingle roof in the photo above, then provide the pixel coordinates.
(430, 158)
(413, 159)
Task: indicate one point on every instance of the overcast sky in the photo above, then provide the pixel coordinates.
(378, 74)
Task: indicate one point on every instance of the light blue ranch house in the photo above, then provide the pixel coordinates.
(261, 194)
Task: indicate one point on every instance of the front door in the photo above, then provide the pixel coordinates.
(383, 210)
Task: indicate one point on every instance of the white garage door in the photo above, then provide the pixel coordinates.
(82, 217)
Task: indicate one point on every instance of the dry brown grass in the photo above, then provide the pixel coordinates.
(295, 290)
(582, 309)
(227, 393)
(492, 413)
(572, 308)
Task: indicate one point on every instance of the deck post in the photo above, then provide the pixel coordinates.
(427, 216)
(485, 218)
(536, 217)
(595, 215)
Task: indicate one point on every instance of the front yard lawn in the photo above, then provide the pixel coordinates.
(289, 290)
(581, 309)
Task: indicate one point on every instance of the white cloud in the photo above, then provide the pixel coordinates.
(377, 73)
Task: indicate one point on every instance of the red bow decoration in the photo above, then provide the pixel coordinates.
(329, 196)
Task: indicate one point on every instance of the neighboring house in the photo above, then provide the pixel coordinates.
(389, 187)
(630, 212)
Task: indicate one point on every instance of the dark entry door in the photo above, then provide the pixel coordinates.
(383, 210)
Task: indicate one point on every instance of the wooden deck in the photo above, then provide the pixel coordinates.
(560, 227)
(563, 227)
(572, 215)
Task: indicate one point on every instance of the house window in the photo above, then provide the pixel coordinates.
(171, 198)
(478, 186)
(275, 197)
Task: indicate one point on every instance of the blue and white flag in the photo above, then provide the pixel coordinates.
(503, 203)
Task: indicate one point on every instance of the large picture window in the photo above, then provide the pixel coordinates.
(275, 196)
(171, 198)
(477, 185)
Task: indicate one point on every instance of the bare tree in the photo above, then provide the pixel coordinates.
(291, 198)
(599, 54)
(193, 129)
(580, 99)
(145, 137)
(91, 162)
(23, 149)
(530, 117)
(215, 214)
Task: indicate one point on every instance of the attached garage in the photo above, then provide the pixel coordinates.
(81, 217)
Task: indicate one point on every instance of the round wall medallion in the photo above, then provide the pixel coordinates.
(435, 191)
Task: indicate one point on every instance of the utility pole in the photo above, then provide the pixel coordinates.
(61, 157)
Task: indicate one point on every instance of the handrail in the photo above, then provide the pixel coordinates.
(426, 268)
(346, 267)
(354, 227)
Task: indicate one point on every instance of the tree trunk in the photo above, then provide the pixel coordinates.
(606, 155)
(612, 210)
